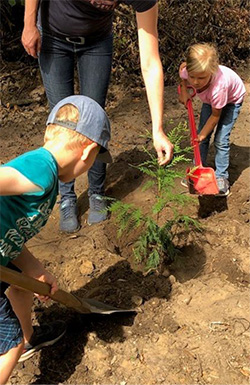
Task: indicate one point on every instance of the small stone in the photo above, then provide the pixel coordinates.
(172, 279)
(86, 268)
(113, 360)
(166, 273)
(137, 300)
(187, 300)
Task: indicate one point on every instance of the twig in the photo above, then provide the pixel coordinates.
(46, 242)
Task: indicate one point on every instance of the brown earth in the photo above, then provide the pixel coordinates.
(193, 321)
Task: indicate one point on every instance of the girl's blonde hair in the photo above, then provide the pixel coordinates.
(202, 57)
(72, 139)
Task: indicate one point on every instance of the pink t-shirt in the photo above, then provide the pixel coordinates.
(225, 87)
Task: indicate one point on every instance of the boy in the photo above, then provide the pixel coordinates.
(77, 133)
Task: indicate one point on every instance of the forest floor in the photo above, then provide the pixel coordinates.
(193, 321)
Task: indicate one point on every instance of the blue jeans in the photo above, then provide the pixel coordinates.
(57, 62)
(221, 137)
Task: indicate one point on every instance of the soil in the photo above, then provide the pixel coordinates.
(192, 324)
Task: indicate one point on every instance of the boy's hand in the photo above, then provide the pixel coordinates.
(164, 148)
(51, 280)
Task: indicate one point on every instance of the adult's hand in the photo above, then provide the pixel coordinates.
(163, 147)
(31, 40)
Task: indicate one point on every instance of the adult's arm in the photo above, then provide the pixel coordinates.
(31, 38)
(152, 73)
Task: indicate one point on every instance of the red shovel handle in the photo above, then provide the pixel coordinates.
(192, 127)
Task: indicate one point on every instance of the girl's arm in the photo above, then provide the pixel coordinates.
(33, 268)
(153, 78)
(12, 182)
(210, 124)
(184, 95)
(31, 38)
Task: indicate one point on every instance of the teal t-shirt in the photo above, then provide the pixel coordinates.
(22, 216)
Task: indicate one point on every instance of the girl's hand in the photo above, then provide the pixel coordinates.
(200, 137)
(184, 97)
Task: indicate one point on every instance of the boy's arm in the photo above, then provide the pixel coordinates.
(152, 73)
(32, 267)
(210, 124)
(12, 182)
(31, 38)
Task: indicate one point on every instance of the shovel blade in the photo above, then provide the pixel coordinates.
(202, 181)
(101, 308)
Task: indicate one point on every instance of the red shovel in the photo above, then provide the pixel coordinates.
(201, 180)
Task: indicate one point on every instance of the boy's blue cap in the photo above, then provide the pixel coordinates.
(93, 122)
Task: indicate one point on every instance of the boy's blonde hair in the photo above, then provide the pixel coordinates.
(202, 57)
(72, 139)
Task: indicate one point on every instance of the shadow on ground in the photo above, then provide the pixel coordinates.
(122, 177)
(239, 161)
(116, 286)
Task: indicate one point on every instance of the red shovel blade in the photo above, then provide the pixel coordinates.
(202, 181)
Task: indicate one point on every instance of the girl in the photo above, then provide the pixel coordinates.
(221, 90)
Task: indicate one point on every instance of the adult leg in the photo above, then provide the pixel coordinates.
(56, 62)
(94, 68)
(206, 111)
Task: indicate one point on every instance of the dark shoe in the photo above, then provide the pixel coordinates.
(44, 335)
(223, 186)
(68, 216)
(97, 209)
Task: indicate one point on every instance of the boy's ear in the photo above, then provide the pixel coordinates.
(87, 150)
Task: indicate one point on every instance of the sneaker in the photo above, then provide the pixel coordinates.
(184, 182)
(223, 186)
(44, 335)
(68, 216)
(97, 209)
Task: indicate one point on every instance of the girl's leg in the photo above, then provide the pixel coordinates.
(94, 68)
(221, 139)
(206, 111)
